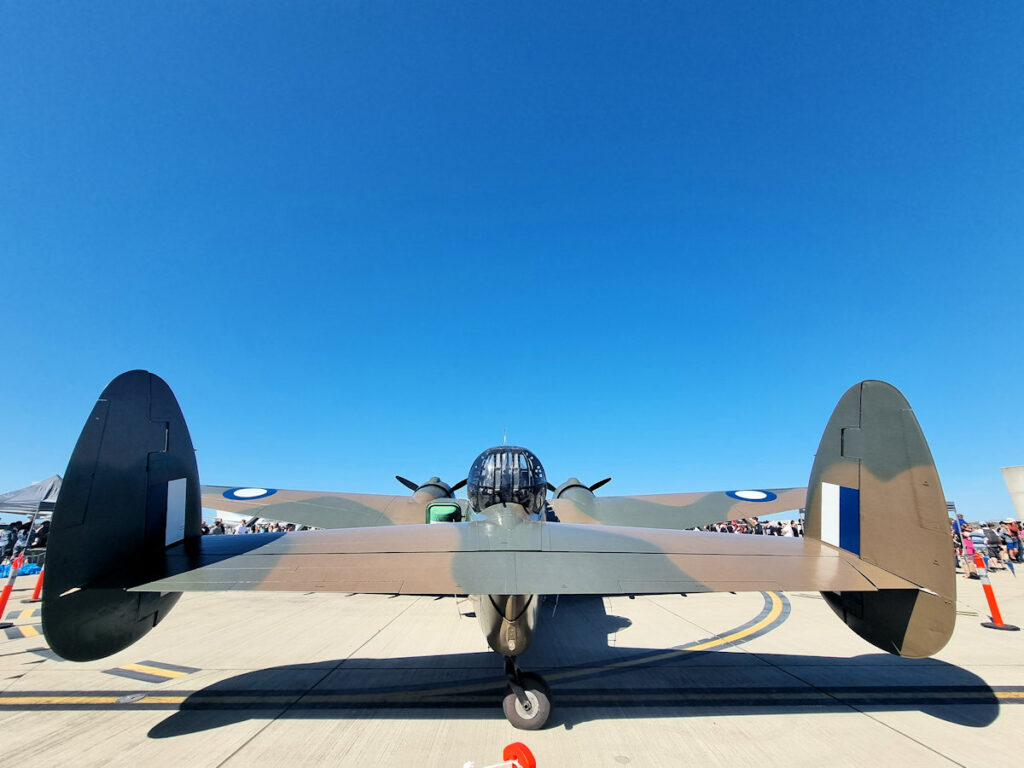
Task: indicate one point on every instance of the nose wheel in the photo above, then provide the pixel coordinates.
(527, 704)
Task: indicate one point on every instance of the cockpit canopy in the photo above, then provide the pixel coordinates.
(507, 474)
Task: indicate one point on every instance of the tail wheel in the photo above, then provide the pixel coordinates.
(535, 715)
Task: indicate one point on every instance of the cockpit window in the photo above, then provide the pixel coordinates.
(507, 474)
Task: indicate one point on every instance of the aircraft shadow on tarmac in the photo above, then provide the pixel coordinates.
(591, 679)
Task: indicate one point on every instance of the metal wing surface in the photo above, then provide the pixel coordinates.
(320, 509)
(529, 558)
(675, 510)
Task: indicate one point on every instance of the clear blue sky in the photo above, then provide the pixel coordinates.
(651, 240)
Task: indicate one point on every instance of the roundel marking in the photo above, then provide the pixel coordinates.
(752, 495)
(248, 494)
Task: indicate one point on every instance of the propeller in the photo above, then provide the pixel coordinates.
(407, 482)
(434, 482)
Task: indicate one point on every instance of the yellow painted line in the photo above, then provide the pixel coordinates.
(217, 700)
(941, 695)
(29, 631)
(26, 613)
(168, 673)
(773, 614)
(159, 700)
(7, 700)
(1009, 694)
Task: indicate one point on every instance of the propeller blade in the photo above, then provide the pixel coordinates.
(460, 484)
(551, 487)
(407, 482)
(599, 483)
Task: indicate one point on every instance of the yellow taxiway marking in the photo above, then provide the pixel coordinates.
(773, 615)
(158, 671)
(37, 700)
(163, 699)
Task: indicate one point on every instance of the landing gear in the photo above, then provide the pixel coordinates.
(527, 705)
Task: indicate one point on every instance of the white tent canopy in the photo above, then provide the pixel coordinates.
(39, 496)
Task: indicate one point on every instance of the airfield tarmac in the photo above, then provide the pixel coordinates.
(767, 679)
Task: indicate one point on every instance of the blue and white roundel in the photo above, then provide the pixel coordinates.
(248, 494)
(752, 495)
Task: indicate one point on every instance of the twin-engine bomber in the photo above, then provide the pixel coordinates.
(125, 540)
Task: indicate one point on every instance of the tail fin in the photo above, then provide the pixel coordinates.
(874, 491)
(131, 490)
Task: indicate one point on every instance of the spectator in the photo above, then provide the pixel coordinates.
(21, 544)
(970, 571)
(40, 535)
(982, 545)
(1013, 530)
(7, 537)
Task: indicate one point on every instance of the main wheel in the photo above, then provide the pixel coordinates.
(537, 694)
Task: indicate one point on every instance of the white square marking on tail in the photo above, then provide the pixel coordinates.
(830, 514)
(175, 511)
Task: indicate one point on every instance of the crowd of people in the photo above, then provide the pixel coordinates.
(19, 536)
(218, 528)
(754, 526)
(998, 544)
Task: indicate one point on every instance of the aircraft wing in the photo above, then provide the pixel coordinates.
(528, 558)
(674, 510)
(319, 509)
(323, 509)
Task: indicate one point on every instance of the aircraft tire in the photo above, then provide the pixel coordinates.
(540, 700)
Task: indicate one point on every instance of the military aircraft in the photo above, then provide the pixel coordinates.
(125, 540)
